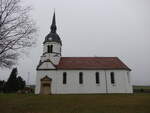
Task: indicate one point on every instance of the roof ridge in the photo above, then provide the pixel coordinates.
(88, 57)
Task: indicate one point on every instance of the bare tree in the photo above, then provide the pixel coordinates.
(17, 31)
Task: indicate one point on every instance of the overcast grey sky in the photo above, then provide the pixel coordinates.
(94, 28)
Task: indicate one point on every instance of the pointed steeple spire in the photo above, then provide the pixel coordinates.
(53, 26)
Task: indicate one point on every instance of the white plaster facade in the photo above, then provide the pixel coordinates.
(55, 56)
(89, 86)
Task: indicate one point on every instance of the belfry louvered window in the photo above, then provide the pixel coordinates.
(50, 48)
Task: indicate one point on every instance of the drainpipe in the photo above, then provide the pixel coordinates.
(106, 82)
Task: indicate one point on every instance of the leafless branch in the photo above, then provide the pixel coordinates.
(17, 30)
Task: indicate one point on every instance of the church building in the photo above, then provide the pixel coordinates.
(78, 75)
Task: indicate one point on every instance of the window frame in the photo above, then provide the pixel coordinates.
(80, 77)
(97, 77)
(50, 48)
(64, 77)
(112, 78)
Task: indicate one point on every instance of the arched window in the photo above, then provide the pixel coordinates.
(64, 77)
(112, 77)
(80, 78)
(97, 77)
(50, 48)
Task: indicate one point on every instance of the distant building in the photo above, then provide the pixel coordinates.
(78, 75)
(29, 89)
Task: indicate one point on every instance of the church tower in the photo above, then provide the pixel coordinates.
(52, 48)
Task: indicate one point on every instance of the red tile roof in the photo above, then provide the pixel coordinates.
(91, 63)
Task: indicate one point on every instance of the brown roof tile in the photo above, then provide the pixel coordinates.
(90, 63)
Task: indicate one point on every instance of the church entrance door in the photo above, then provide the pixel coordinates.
(45, 85)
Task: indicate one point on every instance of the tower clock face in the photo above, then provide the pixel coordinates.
(50, 38)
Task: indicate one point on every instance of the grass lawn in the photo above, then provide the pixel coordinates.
(112, 103)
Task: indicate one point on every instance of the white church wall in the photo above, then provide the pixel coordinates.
(54, 59)
(128, 84)
(89, 83)
(42, 58)
(121, 82)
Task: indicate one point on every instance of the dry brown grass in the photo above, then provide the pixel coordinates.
(113, 103)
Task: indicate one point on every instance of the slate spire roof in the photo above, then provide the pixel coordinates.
(53, 36)
(53, 26)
